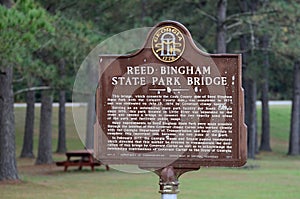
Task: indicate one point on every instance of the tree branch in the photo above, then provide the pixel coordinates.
(213, 18)
(62, 8)
(18, 80)
(246, 14)
(32, 89)
(238, 23)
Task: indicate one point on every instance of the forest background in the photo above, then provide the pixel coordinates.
(43, 44)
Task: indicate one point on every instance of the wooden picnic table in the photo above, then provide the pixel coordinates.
(84, 158)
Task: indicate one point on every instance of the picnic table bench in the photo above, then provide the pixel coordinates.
(85, 159)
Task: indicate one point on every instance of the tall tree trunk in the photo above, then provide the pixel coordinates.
(255, 122)
(61, 146)
(45, 137)
(250, 102)
(250, 109)
(250, 86)
(265, 136)
(91, 110)
(295, 117)
(8, 164)
(91, 119)
(27, 149)
(221, 27)
(143, 11)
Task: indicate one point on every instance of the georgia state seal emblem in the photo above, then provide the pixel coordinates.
(168, 44)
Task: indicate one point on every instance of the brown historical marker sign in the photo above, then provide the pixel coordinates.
(170, 104)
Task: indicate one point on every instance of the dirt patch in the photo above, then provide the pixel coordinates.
(44, 169)
(27, 166)
(10, 182)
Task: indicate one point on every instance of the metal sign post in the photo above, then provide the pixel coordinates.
(168, 183)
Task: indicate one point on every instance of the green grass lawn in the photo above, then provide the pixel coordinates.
(271, 176)
(73, 141)
(279, 127)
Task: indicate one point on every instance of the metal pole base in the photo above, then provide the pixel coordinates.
(168, 183)
(168, 179)
(168, 196)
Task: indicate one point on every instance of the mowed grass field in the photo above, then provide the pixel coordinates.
(270, 176)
